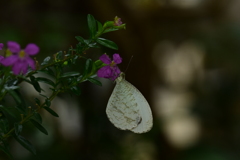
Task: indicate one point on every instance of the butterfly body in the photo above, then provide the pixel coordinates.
(127, 108)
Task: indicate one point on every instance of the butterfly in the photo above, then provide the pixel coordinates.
(127, 108)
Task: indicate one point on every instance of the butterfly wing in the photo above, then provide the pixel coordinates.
(122, 108)
(127, 108)
(145, 111)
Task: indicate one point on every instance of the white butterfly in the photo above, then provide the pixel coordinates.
(127, 108)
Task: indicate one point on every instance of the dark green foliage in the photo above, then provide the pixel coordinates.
(94, 81)
(107, 43)
(91, 25)
(75, 90)
(18, 128)
(35, 84)
(46, 61)
(39, 126)
(13, 116)
(25, 143)
(52, 112)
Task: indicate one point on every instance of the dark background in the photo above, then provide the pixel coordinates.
(186, 62)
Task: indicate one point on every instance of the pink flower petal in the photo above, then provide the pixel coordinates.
(8, 61)
(1, 46)
(117, 59)
(1, 58)
(31, 63)
(14, 47)
(105, 59)
(31, 49)
(20, 67)
(105, 72)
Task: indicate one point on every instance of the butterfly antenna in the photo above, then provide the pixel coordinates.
(128, 64)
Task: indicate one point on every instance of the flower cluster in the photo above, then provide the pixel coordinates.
(117, 21)
(111, 70)
(19, 58)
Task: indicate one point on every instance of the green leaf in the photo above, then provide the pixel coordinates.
(70, 74)
(12, 82)
(93, 45)
(35, 84)
(99, 26)
(91, 25)
(38, 117)
(43, 96)
(15, 96)
(39, 126)
(51, 111)
(46, 61)
(11, 87)
(48, 71)
(94, 81)
(45, 80)
(47, 102)
(37, 101)
(110, 30)
(11, 111)
(4, 124)
(88, 67)
(75, 90)
(25, 143)
(18, 128)
(107, 43)
(80, 39)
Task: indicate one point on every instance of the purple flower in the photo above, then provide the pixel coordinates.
(1, 58)
(20, 59)
(1, 46)
(111, 70)
(117, 21)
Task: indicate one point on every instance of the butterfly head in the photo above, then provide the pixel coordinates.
(120, 77)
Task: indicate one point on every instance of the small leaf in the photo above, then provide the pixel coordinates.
(99, 26)
(18, 128)
(48, 71)
(70, 74)
(39, 126)
(94, 81)
(45, 80)
(15, 96)
(91, 25)
(51, 111)
(75, 90)
(11, 87)
(107, 43)
(12, 82)
(59, 56)
(46, 61)
(4, 124)
(37, 101)
(47, 102)
(110, 30)
(43, 96)
(80, 39)
(35, 84)
(13, 112)
(38, 117)
(88, 67)
(25, 143)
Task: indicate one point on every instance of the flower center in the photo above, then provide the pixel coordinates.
(8, 53)
(112, 64)
(22, 54)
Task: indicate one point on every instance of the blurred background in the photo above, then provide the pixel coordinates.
(186, 62)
